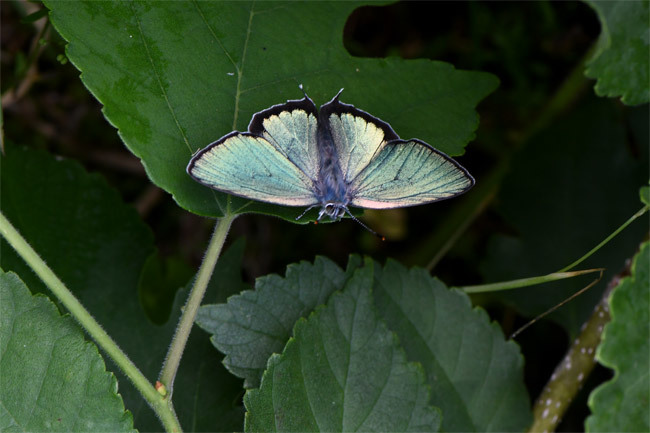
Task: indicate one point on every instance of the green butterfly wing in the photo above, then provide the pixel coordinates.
(278, 160)
(357, 142)
(407, 173)
(249, 166)
(275, 162)
(383, 171)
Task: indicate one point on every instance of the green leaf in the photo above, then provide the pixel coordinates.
(622, 404)
(257, 323)
(95, 244)
(569, 188)
(52, 379)
(74, 220)
(644, 195)
(620, 63)
(343, 371)
(58, 207)
(476, 376)
(175, 77)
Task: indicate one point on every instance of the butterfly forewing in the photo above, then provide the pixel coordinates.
(251, 167)
(408, 173)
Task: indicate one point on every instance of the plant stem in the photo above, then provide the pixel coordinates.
(173, 358)
(524, 282)
(571, 373)
(103, 340)
(641, 211)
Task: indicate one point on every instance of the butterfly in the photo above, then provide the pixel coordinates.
(333, 157)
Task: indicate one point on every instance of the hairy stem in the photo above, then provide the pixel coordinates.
(173, 358)
(88, 322)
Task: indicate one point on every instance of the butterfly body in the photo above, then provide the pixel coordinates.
(335, 157)
(330, 189)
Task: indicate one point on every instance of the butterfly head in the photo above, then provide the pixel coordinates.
(334, 210)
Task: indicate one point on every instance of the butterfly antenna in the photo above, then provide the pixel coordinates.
(383, 238)
(549, 311)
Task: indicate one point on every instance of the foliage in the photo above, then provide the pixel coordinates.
(622, 403)
(164, 124)
(46, 357)
(620, 63)
(343, 371)
(340, 341)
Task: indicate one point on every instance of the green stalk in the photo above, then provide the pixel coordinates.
(574, 369)
(173, 358)
(524, 282)
(97, 333)
(641, 211)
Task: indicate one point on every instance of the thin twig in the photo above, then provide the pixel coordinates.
(571, 373)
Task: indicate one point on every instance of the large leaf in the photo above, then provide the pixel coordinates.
(572, 185)
(461, 351)
(175, 76)
(52, 379)
(476, 376)
(97, 245)
(257, 323)
(623, 403)
(621, 61)
(343, 371)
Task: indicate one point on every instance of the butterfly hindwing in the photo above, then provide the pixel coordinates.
(408, 173)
